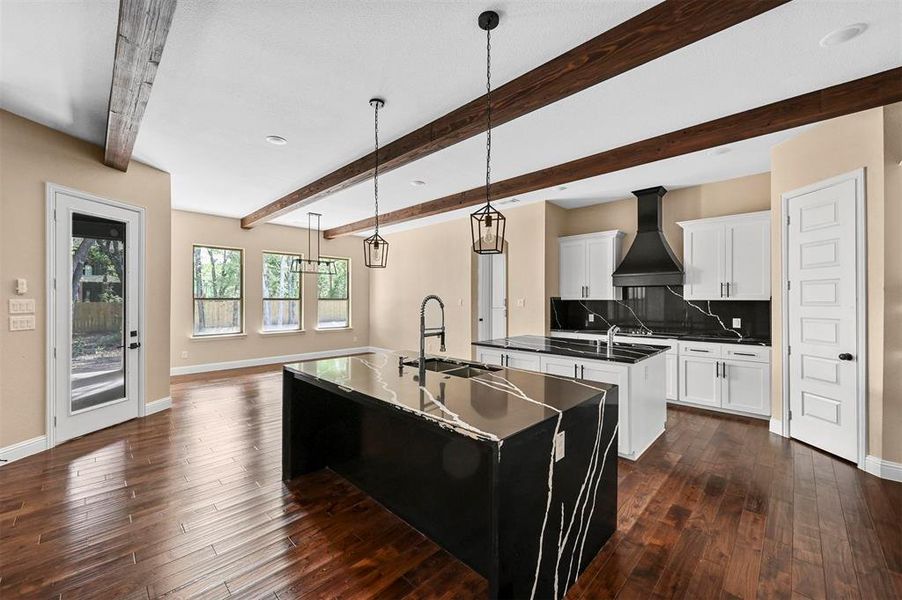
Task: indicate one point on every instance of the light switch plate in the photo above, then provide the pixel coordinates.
(591, 318)
(559, 446)
(737, 322)
(20, 306)
(521, 302)
(21, 323)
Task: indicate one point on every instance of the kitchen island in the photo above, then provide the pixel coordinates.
(639, 371)
(512, 472)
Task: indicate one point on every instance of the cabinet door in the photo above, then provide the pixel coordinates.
(573, 269)
(600, 258)
(747, 260)
(699, 383)
(703, 262)
(490, 357)
(557, 365)
(528, 361)
(673, 390)
(603, 373)
(746, 386)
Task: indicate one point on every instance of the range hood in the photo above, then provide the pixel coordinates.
(649, 261)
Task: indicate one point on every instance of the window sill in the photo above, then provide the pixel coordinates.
(327, 329)
(216, 336)
(277, 332)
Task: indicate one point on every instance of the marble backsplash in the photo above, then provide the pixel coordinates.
(663, 309)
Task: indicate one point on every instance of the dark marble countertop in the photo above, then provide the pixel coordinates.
(621, 353)
(491, 407)
(714, 337)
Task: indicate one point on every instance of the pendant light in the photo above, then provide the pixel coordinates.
(375, 248)
(487, 224)
(308, 264)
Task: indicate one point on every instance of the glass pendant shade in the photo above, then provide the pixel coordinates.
(375, 251)
(487, 229)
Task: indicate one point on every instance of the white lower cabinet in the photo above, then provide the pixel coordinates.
(490, 357)
(700, 383)
(673, 378)
(725, 376)
(746, 386)
(529, 361)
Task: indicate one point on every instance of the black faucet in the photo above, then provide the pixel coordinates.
(434, 331)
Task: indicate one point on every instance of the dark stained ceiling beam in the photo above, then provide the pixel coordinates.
(861, 94)
(143, 28)
(658, 31)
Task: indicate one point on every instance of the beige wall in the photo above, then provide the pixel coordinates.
(892, 302)
(438, 259)
(30, 156)
(194, 228)
(832, 148)
(730, 197)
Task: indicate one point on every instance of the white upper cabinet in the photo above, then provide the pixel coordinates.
(587, 263)
(727, 258)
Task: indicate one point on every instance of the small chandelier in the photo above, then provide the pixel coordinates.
(308, 264)
(375, 248)
(487, 224)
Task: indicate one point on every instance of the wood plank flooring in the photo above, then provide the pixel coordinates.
(188, 503)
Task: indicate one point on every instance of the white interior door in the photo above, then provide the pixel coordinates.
(95, 272)
(822, 315)
(492, 297)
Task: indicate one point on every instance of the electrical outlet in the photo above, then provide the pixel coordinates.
(737, 322)
(591, 318)
(19, 306)
(21, 323)
(184, 354)
(559, 446)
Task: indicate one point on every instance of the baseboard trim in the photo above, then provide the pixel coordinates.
(157, 405)
(22, 449)
(267, 360)
(885, 469)
(776, 426)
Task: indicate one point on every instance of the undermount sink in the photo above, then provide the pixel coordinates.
(457, 369)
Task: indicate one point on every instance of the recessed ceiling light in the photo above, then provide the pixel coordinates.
(842, 35)
(417, 182)
(562, 187)
(276, 140)
(720, 150)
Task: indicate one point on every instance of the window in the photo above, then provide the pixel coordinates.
(217, 291)
(281, 293)
(333, 305)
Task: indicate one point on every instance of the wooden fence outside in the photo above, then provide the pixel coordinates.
(97, 317)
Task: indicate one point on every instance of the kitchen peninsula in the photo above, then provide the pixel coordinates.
(510, 471)
(639, 371)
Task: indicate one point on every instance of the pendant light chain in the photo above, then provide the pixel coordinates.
(376, 170)
(488, 98)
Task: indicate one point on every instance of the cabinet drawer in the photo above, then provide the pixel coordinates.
(670, 344)
(700, 349)
(749, 353)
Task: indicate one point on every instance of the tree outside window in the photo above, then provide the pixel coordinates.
(281, 293)
(334, 304)
(218, 298)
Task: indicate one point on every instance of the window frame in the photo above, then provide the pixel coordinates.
(347, 297)
(241, 296)
(300, 298)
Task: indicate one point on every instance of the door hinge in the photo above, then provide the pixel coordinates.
(787, 219)
(790, 415)
(788, 285)
(54, 214)
(54, 421)
(788, 349)
(54, 284)
(54, 353)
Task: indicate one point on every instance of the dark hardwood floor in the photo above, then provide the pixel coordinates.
(188, 503)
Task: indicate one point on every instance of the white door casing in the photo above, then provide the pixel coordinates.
(823, 315)
(492, 296)
(63, 422)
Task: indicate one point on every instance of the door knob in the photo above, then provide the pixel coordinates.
(845, 356)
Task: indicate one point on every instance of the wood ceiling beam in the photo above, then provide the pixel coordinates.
(658, 31)
(843, 99)
(141, 35)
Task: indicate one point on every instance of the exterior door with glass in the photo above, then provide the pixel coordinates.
(96, 285)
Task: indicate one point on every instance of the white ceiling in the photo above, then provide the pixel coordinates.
(235, 72)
